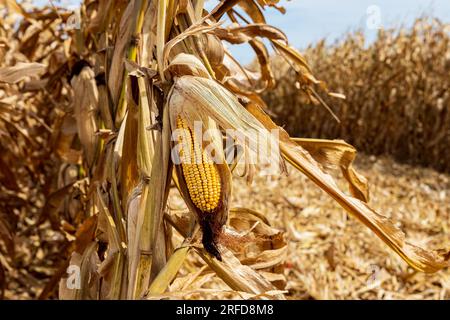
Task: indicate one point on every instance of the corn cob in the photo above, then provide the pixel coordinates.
(199, 171)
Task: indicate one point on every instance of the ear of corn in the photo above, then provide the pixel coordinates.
(205, 184)
(199, 171)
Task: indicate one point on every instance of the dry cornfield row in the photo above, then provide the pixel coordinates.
(397, 98)
(90, 103)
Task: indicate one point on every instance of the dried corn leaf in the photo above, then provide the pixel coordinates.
(333, 154)
(237, 276)
(241, 34)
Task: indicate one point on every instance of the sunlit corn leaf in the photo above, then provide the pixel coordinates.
(81, 278)
(337, 154)
(257, 244)
(85, 109)
(187, 64)
(13, 7)
(132, 238)
(169, 272)
(151, 211)
(112, 268)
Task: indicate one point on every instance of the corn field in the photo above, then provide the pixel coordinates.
(397, 97)
(108, 190)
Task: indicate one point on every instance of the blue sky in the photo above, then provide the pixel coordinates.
(307, 21)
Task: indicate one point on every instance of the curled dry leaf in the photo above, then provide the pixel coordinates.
(337, 154)
(241, 34)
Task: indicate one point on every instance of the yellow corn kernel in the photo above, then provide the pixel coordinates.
(199, 171)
